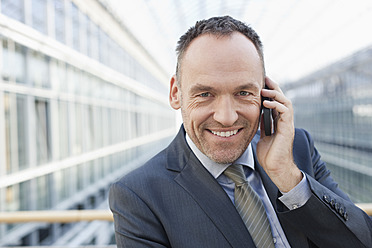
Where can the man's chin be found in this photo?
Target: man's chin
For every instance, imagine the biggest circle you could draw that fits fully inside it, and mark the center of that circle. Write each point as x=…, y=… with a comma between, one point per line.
x=224, y=157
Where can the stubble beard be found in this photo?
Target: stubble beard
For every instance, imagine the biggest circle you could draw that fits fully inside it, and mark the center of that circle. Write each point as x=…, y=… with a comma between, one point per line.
x=225, y=154
x=221, y=152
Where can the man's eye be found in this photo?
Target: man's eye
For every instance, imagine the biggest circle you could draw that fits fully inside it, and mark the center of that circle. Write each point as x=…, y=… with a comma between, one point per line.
x=244, y=93
x=205, y=94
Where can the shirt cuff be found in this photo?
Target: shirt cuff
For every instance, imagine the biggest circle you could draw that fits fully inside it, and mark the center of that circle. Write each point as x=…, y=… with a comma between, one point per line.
x=298, y=196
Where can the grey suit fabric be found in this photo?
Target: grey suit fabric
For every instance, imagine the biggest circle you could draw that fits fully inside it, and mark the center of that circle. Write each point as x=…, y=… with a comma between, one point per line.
x=173, y=201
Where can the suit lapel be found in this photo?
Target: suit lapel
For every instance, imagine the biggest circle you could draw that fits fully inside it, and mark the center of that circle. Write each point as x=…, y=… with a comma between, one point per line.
x=208, y=194
x=215, y=203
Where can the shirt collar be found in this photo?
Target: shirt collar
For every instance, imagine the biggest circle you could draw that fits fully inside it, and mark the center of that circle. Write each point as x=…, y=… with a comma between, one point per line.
x=216, y=169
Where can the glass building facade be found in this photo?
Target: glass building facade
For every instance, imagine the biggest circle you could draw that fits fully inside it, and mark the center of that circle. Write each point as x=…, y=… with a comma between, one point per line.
x=81, y=102
x=335, y=106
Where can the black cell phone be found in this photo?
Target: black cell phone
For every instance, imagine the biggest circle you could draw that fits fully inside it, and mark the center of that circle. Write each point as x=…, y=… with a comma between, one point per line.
x=266, y=116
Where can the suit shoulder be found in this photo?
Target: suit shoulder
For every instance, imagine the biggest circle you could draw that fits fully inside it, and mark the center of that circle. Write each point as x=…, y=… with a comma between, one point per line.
x=150, y=171
x=303, y=137
x=302, y=133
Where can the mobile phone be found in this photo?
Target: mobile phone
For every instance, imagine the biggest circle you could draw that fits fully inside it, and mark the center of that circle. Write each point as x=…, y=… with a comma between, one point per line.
x=266, y=116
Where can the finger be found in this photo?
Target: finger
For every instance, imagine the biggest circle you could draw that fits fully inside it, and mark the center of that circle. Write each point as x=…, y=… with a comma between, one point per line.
x=279, y=110
x=280, y=114
x=277, y=96
x=272, y=85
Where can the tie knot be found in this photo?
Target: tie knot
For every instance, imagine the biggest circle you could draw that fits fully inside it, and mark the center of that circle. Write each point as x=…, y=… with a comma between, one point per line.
x=236, y=173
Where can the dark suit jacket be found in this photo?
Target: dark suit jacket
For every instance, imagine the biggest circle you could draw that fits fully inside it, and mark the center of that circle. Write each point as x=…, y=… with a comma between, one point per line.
x=173, y=201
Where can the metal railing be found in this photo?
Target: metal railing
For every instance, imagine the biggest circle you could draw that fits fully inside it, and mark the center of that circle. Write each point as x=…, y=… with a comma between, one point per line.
x=366, y=207
x=51, y=216
x=59, y=246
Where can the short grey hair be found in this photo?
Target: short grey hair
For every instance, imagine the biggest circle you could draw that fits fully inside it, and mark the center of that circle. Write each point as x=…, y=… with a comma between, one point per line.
x=218, y=26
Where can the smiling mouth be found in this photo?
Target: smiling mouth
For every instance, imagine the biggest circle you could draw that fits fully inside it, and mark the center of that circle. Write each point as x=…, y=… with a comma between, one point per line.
x=225, y=134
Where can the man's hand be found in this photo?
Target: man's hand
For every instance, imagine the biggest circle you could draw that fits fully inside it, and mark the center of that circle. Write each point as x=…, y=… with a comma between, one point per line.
x=275, y=152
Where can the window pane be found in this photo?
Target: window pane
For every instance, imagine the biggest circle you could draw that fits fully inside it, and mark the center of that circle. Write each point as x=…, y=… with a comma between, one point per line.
x=13, y=9
x=12, y=198
x=77, y=146
x=39, y=15
x=42, y=130
x=8, y=140
x=84, y=32
x=62, y=75
x=16, y=132
x=94, y=33
x=75, y=27
x=64, y=130
x=14, y=62
x=22, y=131
x=6, y=73
x=59, y=20
x=24, y=191
x=81, y=176
x=19, y=64
x=43, y=194
x=39, y=70
x=103, y=47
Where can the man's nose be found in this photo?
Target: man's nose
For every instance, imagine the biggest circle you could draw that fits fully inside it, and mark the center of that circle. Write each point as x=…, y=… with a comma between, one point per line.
x=225, y=112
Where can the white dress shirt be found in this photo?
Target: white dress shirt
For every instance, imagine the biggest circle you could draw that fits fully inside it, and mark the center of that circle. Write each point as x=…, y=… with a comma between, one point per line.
x=295, y=198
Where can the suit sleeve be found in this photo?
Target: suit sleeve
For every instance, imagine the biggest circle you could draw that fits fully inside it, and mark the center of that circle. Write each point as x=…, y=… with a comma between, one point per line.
x=135, y=224
x=329, y=218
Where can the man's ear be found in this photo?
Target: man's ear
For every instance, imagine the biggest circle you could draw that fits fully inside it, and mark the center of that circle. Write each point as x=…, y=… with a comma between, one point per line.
x=174, y=94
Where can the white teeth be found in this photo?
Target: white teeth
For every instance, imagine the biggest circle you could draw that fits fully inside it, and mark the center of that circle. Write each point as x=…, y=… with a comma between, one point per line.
x=225, y=134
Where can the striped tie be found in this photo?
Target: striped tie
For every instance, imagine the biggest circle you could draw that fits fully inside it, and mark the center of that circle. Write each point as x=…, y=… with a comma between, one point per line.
x=250, y=208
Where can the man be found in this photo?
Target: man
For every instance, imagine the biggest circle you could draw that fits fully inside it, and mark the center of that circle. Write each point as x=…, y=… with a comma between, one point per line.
x=186, y=196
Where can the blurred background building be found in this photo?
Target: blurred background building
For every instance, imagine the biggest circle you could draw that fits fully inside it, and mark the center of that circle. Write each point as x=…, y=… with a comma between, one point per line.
x=84, y=84
x=81, y=102
x=335, y=106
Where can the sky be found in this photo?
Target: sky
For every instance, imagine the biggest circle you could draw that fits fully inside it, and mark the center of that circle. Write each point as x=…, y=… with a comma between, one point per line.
x=299, y=36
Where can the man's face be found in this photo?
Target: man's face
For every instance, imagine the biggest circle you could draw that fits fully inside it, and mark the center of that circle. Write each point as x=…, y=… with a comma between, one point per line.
x=221, y=80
